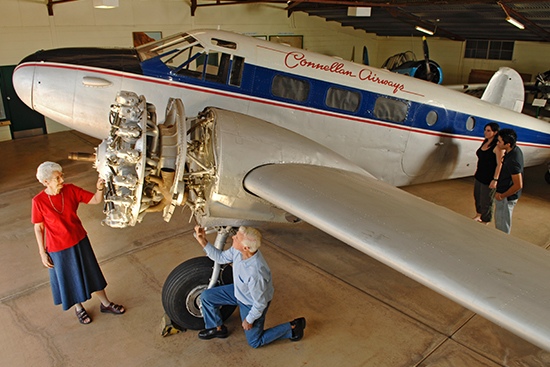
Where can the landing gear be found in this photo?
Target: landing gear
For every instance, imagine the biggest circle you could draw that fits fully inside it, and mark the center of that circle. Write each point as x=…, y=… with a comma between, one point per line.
x=182, y=290
x=183, y=287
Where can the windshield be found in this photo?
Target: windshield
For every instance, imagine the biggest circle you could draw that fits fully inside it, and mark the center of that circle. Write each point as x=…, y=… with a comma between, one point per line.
x=165, y=46
x=184, y=55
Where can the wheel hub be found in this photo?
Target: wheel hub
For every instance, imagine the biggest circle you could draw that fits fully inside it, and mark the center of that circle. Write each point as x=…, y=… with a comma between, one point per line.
x=193, y=300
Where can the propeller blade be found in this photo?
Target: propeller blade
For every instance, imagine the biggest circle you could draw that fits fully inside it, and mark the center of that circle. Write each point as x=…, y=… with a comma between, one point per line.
x=427, y=58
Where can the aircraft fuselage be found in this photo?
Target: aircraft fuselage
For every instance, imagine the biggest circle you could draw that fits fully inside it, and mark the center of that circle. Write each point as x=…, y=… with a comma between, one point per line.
x=400, y=129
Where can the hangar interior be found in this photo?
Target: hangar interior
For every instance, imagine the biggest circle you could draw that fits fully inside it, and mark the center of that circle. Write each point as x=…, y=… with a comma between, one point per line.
x=359, y=312
x=321, y=27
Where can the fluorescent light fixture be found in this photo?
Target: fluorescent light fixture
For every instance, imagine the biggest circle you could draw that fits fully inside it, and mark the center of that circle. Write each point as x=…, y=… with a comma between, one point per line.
x=105, y=4
x=511, y=20
x=359, y=11
x=420, y=29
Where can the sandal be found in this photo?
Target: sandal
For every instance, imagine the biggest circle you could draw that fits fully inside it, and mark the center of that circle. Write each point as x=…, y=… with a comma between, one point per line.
x=83, y=316
x=112, y=308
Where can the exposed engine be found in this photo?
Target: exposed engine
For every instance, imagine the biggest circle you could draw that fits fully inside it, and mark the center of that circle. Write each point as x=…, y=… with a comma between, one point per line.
x=199, y=162
x=152, y=167
x=141, y=161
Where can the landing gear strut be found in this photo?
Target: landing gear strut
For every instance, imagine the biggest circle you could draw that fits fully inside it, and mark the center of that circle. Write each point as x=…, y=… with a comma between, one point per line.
x=183, y=287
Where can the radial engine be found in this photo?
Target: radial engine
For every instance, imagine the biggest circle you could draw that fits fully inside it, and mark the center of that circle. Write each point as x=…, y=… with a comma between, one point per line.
x=198, y=162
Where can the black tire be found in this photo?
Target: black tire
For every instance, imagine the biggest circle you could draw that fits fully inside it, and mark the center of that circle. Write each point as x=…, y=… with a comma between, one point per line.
x=183, y=287
x=547, y=177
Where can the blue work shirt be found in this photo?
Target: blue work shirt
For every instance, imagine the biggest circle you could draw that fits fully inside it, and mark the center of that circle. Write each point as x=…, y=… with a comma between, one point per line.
x=251, y=278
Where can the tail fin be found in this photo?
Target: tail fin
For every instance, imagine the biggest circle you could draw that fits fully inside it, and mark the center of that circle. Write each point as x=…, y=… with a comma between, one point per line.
x=505, y=89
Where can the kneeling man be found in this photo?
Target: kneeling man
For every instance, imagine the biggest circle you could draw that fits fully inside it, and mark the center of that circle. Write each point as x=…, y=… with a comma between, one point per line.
x=252, y=290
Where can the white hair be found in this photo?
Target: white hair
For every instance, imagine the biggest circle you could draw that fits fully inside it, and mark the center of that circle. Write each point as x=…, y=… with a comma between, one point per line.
x=252, y=238
x=45, y=171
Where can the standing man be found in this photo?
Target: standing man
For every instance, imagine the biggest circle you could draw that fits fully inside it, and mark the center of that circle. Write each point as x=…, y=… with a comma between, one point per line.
x=510, y=180
x=252, y=290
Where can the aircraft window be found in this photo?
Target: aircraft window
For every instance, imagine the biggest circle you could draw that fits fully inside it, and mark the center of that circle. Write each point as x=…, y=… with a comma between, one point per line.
x=343, y=99
x=189, y=61
x=217, y=67
x=236, y=71
x=290, y=88
x=391, y=109
x=431, y=118
x=222, y=43
x=165, y=46
x=470, y=123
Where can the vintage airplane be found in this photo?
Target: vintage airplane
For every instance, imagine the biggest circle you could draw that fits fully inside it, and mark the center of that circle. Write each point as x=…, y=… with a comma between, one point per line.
x=277, y=133
x=406, y=63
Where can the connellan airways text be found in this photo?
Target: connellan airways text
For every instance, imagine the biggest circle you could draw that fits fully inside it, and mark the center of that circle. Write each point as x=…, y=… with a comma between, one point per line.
x=297, y=59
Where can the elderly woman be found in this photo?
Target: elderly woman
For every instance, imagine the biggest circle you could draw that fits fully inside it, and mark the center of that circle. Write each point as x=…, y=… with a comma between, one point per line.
x=63, y=243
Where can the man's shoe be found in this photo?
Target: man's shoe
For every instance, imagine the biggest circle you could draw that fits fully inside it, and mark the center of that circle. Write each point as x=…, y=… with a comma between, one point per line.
x=213, y=333
x=298, y=331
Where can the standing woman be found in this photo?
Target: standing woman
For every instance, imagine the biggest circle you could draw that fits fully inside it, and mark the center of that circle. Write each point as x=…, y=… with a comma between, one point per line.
x=63, y=243
x=489, y=163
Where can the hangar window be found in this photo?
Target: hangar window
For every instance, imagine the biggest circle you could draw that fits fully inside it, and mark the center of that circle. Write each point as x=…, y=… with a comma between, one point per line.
x=391, y=109
x=343, y=99
x=489, y=50
x=470, y=123
x=290, y=88
x=431, y=118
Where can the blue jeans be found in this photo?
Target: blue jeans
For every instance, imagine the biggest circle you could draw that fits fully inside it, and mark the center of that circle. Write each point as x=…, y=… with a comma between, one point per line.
x=503, y=214
x=212, y=299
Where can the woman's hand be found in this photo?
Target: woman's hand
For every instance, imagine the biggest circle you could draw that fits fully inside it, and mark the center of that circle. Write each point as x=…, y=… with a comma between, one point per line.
x=46, y=260
x=100, y=185
x=98, y=196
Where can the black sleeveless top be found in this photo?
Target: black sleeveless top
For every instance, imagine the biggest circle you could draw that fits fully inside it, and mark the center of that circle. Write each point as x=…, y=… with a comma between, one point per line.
x=486, y=165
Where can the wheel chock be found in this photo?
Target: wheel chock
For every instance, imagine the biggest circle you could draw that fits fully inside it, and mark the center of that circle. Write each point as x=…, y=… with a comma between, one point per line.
x=168, y=328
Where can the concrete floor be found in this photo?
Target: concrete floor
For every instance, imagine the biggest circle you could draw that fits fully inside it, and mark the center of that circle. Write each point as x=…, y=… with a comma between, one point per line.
x=359, y=312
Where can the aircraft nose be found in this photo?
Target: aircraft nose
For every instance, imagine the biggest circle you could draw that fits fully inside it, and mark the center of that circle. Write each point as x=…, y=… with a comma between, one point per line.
x=23, y=77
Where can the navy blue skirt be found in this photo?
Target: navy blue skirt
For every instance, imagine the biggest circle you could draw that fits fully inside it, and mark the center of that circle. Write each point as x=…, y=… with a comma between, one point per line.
x=75, y=275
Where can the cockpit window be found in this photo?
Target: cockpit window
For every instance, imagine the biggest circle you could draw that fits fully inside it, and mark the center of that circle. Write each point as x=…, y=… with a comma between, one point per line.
x=185, y=56
x=189, y=61
x=165, y=46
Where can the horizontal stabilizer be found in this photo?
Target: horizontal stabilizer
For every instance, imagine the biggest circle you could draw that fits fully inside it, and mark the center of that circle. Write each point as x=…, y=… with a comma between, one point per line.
x=505, y=89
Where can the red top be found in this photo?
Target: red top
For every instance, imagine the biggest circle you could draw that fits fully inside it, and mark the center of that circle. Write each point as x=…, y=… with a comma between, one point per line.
x=62, y=225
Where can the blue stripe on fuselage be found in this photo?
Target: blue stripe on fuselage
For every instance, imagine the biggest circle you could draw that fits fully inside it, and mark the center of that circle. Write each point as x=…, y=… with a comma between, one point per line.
x=257, y=82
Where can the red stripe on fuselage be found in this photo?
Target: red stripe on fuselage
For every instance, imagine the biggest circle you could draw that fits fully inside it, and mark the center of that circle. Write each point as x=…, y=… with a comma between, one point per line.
x=242, y=97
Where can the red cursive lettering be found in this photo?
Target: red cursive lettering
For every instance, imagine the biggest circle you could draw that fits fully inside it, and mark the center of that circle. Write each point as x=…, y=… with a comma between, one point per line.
x=366, y=74
x=295, y=59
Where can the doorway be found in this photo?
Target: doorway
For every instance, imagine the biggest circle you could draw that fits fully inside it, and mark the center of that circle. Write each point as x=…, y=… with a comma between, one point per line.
x=23, y=121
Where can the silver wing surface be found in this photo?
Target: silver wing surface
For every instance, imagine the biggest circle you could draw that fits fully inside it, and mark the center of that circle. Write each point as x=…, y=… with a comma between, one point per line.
x=500, y=277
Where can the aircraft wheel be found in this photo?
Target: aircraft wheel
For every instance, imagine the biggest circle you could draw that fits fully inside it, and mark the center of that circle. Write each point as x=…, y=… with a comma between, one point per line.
x=547, y=177
x=183, y=287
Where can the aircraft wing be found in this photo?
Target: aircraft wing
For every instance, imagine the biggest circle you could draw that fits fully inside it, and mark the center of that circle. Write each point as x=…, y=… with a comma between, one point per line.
x=500, y=277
